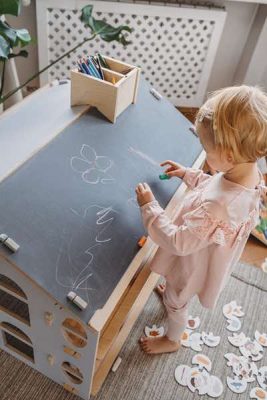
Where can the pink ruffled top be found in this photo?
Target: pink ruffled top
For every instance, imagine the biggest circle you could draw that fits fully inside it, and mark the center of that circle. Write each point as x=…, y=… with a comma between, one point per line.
x=198, y=249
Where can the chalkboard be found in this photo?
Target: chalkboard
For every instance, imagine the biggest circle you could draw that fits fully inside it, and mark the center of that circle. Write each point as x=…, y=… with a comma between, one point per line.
x=72, y=206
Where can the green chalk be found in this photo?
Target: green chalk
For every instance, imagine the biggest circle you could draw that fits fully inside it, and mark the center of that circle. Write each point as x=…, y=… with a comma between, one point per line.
x=164, y=176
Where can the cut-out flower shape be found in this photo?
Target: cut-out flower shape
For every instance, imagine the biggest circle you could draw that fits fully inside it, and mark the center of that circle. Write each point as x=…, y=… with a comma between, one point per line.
x=93, y=168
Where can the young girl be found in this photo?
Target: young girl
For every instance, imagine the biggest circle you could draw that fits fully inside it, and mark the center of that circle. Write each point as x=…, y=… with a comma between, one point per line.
x=199, y=248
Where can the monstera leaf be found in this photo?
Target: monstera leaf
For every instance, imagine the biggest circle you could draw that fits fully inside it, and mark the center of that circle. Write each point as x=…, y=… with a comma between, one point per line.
x=4, y=48
x=10, y=37
x=103, y=29
x=10, y=7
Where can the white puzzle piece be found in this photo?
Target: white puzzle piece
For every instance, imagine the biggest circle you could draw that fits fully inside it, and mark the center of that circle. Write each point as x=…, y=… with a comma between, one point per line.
x=181, y=374
x=234, y=324
x=262, y=377
x=232, y=359
x=252, y=349
x=210, y=340
x=203, y=361
x=245, y=369
x=196, y=341
x=185, y=339
x=154, y=331
x=261, y=338
x=198, y=380
x=238, y=339
x=249, y=371
x=242, y=367
x=193, y=323
x=258, y=393
x=236, y=384
x=215, y=387
x=228, y=309
x=232, y=309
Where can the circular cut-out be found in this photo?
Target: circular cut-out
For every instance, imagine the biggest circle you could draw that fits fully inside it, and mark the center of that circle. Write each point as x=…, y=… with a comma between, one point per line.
x=72, y=372
x=15, y=331
x=74, y=332
x=8, y=283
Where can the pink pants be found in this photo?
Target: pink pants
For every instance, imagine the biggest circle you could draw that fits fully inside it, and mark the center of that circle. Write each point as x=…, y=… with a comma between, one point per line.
x=177, y=312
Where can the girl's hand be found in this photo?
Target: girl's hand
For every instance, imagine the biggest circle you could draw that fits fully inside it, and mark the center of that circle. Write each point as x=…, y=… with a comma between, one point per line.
x=144, y=194
x=175, y=169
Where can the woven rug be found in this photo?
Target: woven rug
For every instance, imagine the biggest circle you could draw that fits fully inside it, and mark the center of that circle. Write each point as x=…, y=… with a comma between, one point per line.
x=148, y=377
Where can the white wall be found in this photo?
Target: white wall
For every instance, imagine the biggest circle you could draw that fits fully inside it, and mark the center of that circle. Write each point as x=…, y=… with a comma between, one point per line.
x=239, y=20
x=252, y=68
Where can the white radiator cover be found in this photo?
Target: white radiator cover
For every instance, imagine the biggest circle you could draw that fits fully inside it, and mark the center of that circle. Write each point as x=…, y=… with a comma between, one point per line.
x=175, y=46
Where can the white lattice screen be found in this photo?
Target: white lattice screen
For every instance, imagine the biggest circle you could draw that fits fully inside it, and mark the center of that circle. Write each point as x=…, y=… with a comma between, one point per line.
x=174, y=46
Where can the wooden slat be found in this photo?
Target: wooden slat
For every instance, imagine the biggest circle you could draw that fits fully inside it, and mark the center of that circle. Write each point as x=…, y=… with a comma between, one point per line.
x=132, y=315
x=113, y=328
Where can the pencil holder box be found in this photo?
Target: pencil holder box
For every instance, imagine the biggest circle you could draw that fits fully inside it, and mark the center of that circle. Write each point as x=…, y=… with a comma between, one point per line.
x=110, y=96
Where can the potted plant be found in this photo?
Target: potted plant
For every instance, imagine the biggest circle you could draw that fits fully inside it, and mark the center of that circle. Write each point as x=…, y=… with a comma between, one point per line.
x=106, y=32
x=12, y=41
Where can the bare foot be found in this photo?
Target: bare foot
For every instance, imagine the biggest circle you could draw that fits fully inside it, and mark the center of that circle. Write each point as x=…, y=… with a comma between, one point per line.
x=158, y=345
x=160, y=289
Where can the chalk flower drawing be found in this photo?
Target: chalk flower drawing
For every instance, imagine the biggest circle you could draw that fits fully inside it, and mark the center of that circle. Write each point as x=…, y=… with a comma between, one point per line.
x=93, y=168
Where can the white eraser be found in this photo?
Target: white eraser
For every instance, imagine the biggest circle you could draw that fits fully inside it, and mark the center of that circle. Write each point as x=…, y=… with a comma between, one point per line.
x=3, y=237
x=63, y=81
x=11, y=244
x=55, y=82
x=80, y=302
x=71, y=296
x=191, y=128
x=116, y=364
x=77, y=300
x=155, y=94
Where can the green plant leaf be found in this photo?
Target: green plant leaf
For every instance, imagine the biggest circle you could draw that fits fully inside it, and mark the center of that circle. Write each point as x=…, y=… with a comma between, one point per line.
x=10, y=7
x=106, y=31
x=22, y=53
x=23, y=37
x=7, y=32
x=86, y=13
x=4, y=48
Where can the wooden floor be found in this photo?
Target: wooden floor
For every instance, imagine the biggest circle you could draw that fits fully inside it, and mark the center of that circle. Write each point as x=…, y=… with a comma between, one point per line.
x=255, y=252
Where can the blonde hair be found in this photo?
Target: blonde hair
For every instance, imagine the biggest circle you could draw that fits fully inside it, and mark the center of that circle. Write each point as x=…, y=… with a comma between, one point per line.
x=237, y=120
